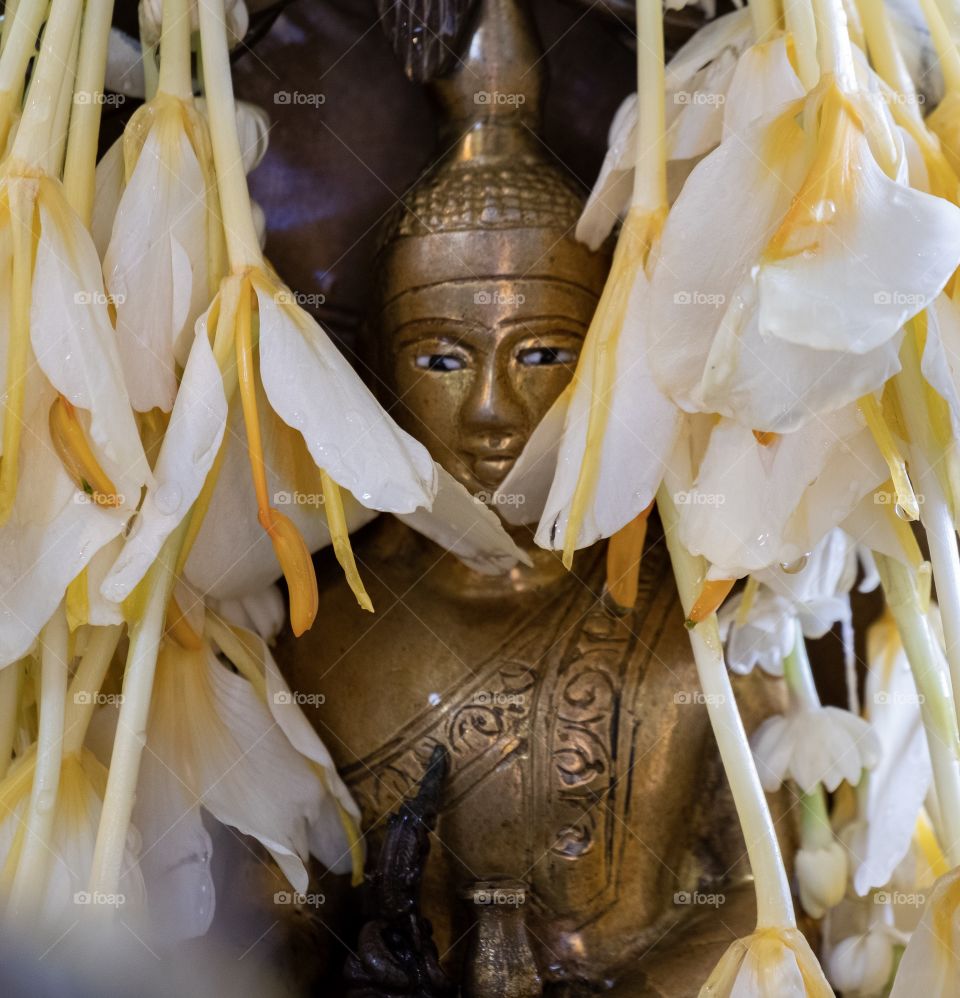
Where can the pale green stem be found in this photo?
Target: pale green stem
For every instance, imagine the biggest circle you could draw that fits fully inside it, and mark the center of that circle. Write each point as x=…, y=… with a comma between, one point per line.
x=243, y=247
x=151, y=73
x=933, y=684
x=650, y=175
x=799, y=675
x=141, y=665
x=86, y=683
x=9, y=712
x=802, y=25
x=834, y=50
x=885, y=53
x=774, y=903
x=36, y=136
x=80, y=169
x=31, y=874
x=175, y=74
x=815, y=830
x=934, y=510
x=766, y=20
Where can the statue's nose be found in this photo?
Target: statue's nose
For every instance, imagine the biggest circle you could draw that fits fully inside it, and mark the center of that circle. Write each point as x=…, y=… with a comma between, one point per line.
x=493, y=411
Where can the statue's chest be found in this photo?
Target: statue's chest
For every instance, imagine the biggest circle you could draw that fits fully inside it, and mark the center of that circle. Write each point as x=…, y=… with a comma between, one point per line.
x=552, y=740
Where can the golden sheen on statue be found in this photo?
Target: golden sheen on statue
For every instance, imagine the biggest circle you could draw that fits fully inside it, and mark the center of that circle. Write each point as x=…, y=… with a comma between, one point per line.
x=584, y=808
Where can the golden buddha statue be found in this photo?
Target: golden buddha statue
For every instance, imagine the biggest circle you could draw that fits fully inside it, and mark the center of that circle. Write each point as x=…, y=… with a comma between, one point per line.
x=584, y=784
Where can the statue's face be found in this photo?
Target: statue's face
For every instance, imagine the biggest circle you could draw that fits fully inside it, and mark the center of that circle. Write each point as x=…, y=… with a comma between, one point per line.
x=476, y=365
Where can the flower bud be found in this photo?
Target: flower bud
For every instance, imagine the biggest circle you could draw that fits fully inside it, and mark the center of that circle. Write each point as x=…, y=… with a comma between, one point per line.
x=821, y=877
x=861, y=964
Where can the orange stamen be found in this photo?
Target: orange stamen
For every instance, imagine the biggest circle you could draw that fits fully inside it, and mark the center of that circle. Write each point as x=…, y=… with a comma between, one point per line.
x=288, y=545
x=624, y=554
x=712, y=594
x=765, y=437
x=77, y=456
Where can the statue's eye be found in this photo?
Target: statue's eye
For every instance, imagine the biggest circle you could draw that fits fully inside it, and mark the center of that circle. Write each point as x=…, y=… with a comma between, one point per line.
x=546, y=356
x=439, y=362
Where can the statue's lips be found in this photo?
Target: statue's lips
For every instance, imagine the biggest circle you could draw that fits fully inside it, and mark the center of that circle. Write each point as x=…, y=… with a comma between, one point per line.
x=490, y=469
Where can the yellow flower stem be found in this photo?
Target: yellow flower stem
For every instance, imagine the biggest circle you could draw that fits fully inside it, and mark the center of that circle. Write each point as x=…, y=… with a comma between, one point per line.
x=774, y=903
x=80, y=166
x=36, y=133
x=765, y=17
x=937, y=707
x=10, y=679
x=885, y=53
x=802, y=25
x=935, y=512
x=243, y=247
x=21, y=25
x=834, y=51
x=650, y=175
x=137, y=690
x=943, y=44
x=81, y=697
x=175, y=78
x=21, y=205
x=31, y=873
x=340, y=537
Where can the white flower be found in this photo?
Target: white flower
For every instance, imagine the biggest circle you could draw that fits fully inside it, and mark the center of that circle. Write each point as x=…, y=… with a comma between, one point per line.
x=765, y=637
x=805, y=270
x=931, y=962
x=78, y=805
x=897, y=787
x=156, y=263
x=821, y=877
x=861, y=965
x=754, y=504
x=814, y=745
x=237, y=745
x=770, y=963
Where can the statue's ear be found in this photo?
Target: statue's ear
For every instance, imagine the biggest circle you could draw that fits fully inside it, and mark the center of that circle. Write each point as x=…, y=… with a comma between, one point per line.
x=425, y=34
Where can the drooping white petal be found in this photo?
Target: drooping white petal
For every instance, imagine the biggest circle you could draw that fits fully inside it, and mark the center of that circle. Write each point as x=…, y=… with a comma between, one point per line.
x=189, y=447
x=610, y=195
x=74, y=342
x=106, y=198
x=871, y=262
x=931, y=963
x=156, y=264
x=695, y=113
x=262, y=612
x=940, y=363
x=641, y=426
x=763, y=81
x=211, y=729
x=464, y=526
x=313, y=388
x=733, y=30
x=53, y=532
x=754, y=505
x=523, y=493
x=898, y=784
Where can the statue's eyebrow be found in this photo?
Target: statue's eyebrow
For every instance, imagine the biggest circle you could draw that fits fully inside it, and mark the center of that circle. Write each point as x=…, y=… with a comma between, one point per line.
x=442, y=327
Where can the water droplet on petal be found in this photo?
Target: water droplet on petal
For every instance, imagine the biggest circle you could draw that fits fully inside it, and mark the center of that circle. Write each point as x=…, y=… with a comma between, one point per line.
x=167, y=498
x=901, y=512
x=824, y=210
x=798, y=565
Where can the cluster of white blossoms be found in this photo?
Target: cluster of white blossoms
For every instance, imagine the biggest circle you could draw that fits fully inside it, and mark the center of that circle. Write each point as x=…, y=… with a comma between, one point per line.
x=775, y=364
x=160, y=387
